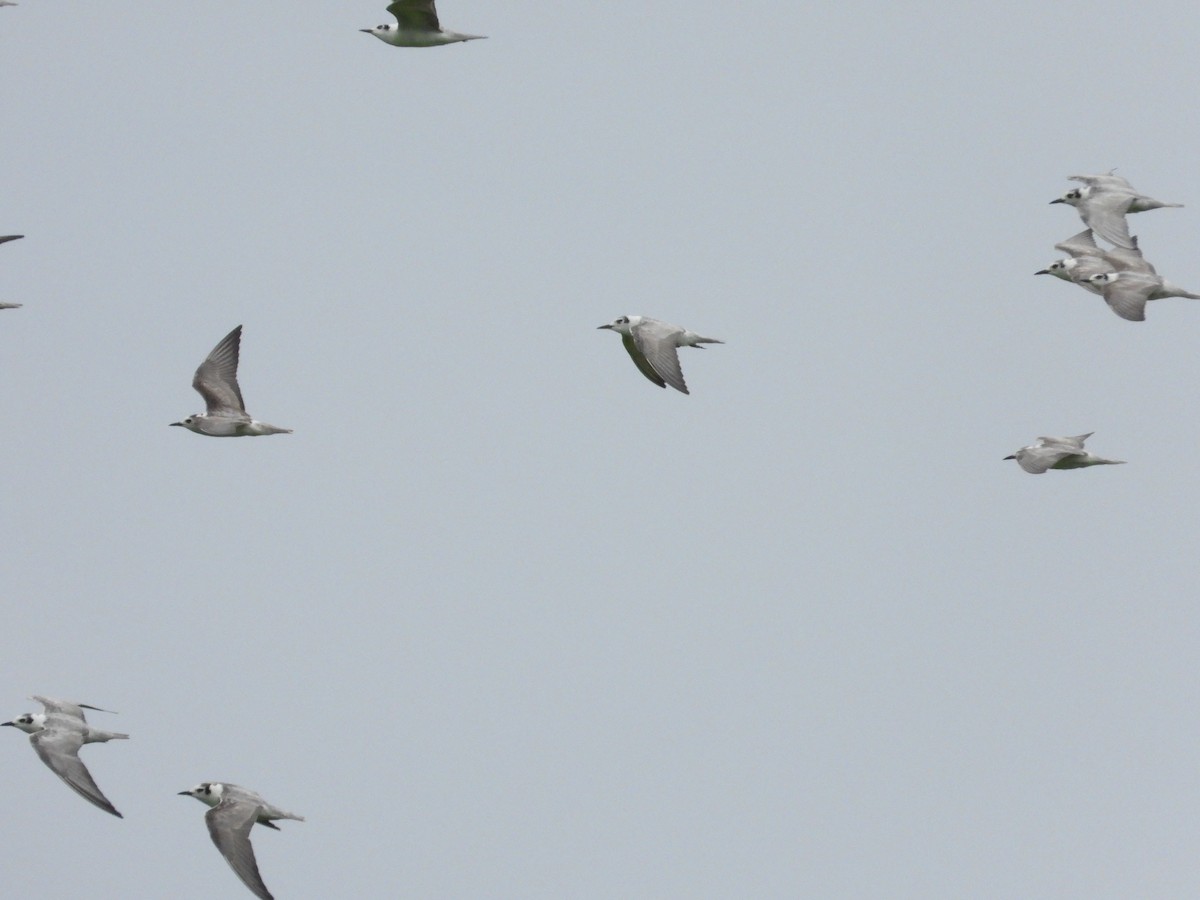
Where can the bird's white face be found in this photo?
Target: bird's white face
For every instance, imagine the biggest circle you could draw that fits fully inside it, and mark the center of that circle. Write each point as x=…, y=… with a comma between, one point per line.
x=207, y=792
x=1061, y=268
x=1073, y=197
x=623, y=325
x=30, y=723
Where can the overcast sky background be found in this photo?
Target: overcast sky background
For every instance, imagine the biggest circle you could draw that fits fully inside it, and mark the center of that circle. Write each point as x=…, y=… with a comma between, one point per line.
x=501, y=618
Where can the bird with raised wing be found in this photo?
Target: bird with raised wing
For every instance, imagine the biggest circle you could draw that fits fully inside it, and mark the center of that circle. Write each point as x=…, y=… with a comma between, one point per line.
x=1128, y=292
x=216, y=381
x=1104, y=201
x=1085, y=259
x=1059, y=453
x=417, y=26
x=234, y=812
x=57, y=734
x=654, y=347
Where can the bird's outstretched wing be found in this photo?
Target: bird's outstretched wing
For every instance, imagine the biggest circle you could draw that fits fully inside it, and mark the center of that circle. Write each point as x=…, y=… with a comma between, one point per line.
x=1105, y=214
x=415, y=15
x=66, y=707
x=1082, y=244
x=59, y=749
x=1128, y=295
x=1036, y=460
x=216, y=379
x=656, y=340
x=229, y=824
x=640, y=360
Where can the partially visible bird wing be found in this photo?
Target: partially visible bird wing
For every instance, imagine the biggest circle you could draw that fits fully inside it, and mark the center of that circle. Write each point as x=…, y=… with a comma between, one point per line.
x=229, y=824
x=59, y=749
x=1104, y=213
x=1074, y=442
x=640, y=360
x=1127, y=297
x=51, y=705
x=1037, y=460
x=66, y=706
x=1082, y=244
x=1108, y=180
x=656, y=340
x=415, y=15
x=216, y=379
x=1129, y=259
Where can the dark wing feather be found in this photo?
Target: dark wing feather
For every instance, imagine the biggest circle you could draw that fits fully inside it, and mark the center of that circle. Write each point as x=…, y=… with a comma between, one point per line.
x=415, y=15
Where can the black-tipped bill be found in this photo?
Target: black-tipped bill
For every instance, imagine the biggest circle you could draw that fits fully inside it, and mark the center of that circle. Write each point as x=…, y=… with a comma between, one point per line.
x=1014, y=456
x=1042, y=272
x=367, y=30
x=1059, y=200
x=602, y=327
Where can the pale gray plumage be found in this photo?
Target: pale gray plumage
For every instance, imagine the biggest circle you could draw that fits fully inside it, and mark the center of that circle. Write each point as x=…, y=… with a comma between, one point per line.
x=1104, y=201
x=1085, y=260
x=1128, y=292
x=654, y=345
x=234, y=812
x=417, y=25
x=1108, y=179
x=57, y=736
x=216, y=381
x=1059, y=453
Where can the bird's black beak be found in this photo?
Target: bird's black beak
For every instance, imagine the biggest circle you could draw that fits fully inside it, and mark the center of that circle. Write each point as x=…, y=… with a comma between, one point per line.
x=176, y=423
x=13, y=724
x=367, y=30
x=1042, y=272
x=602, y=327
x=1059, y=200
x=181, y=793
x=1014, y=456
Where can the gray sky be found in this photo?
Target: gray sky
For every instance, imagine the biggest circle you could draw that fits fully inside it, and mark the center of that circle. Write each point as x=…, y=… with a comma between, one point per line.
x=501, y=618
